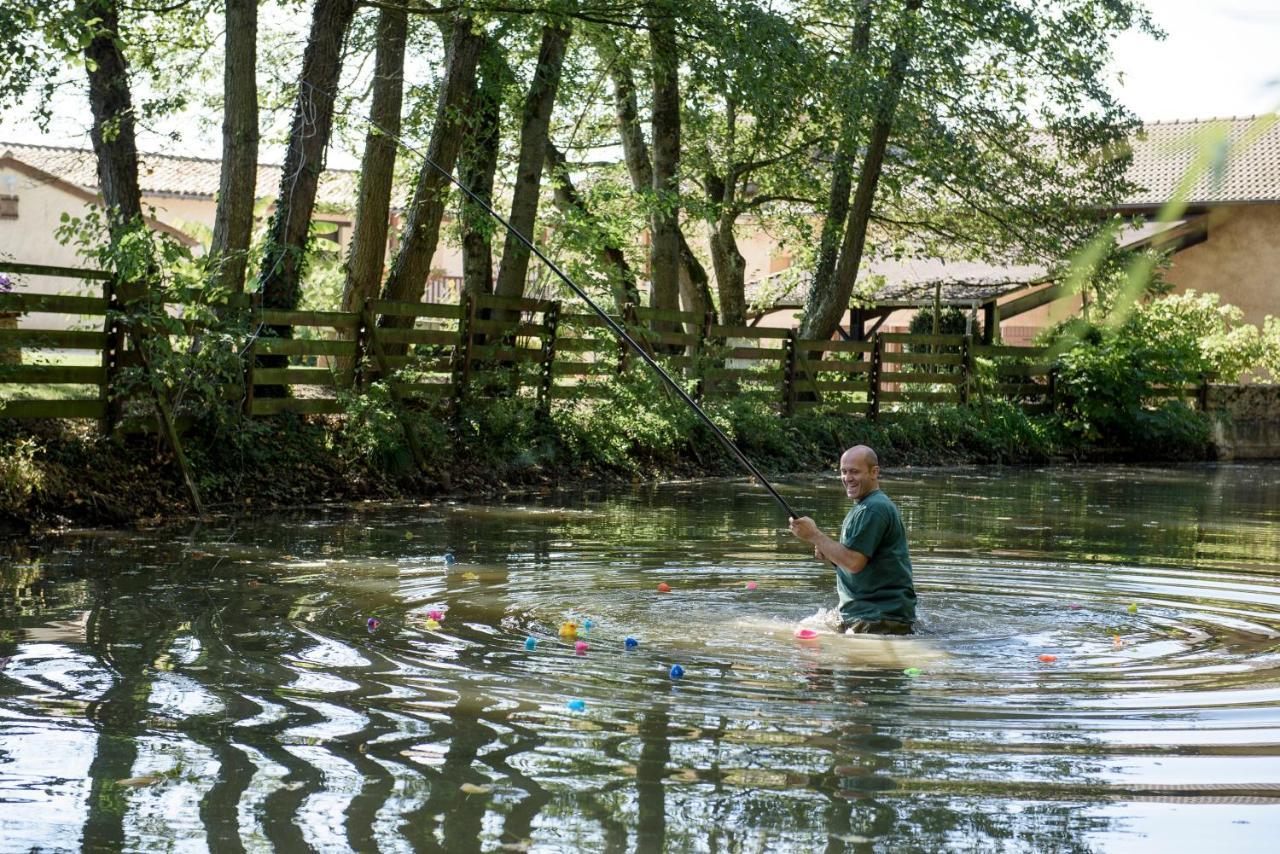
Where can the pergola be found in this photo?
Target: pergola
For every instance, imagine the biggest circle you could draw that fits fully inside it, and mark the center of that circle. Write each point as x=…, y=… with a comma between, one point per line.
x=976, y=286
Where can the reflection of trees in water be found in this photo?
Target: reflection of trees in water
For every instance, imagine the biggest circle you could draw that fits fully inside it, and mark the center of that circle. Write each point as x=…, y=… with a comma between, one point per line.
x=250, y=646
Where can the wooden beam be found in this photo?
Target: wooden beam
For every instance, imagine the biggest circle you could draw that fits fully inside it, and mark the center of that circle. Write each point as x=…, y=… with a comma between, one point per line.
x=1022, y=305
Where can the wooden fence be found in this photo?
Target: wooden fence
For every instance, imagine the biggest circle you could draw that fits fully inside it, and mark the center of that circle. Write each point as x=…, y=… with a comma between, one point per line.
x=555, y=352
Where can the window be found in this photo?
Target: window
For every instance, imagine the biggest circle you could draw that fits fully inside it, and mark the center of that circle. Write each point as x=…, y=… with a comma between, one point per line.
x=8, y=206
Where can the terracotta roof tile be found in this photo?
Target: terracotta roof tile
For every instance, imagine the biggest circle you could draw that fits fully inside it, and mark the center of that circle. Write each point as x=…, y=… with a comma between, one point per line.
x=1164, y=152
x=167, y=175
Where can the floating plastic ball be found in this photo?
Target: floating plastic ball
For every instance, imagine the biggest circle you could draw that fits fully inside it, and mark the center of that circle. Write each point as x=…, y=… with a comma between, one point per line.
x=587, y=623
x=677, y=671
x=912, y=671
x=530, y=644
x=806, y=634
x=1117, y=641
x=631, y=643
x=568, y=629
x=435, y=615
x=577, y=705
x=664, y=587
x=1048, y=659
x=1133, y=607
x=431, y=625
x=449, y=559
x=373, y=624
x=751, y=585
x=580, y=647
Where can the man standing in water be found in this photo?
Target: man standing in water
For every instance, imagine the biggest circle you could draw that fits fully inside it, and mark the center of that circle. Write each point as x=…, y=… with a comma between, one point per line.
x=873, y=568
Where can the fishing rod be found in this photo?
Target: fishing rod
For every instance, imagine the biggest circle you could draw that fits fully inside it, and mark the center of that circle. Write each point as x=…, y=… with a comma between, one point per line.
x=612, y=324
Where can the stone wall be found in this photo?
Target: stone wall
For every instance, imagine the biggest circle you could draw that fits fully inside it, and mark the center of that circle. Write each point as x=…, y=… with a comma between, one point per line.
x=1248, y=423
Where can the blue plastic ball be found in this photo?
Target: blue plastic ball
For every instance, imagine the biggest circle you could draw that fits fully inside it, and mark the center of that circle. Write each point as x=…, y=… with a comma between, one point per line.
x=631, y=643
x=449, y=559
x=577, y=705
x=530, y=643
x=676, y=671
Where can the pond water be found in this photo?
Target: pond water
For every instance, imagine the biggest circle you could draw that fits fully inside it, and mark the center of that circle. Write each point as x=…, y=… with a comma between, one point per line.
x=223, y=690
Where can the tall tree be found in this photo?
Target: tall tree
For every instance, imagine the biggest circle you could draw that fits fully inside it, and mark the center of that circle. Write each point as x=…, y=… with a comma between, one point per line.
x=233, y=219
x=635, y=154
x=824, y=308
x=377, y=166
x=534, y=125
x=113, y=116
x=408, y=276
x=664, y=221
x=477, y=169
x=611, y=252
x=848, y=123
x=750, y=132
x=284, y=259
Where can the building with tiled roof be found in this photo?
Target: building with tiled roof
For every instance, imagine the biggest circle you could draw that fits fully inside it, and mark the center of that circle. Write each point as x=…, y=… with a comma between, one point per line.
x=1225, y=239
x=170, y=177
x=1165, y=152
x=40, y=183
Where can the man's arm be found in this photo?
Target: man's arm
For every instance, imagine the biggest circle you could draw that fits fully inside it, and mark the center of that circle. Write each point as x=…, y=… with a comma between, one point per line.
x=825, y=547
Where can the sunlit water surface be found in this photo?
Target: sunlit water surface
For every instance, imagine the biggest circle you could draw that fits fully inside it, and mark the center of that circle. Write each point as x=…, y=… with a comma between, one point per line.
x=223, y=690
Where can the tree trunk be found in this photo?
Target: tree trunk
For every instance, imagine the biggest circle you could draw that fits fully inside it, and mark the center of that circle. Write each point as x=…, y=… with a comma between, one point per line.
x=284, y=260
x=635, y=153
x=635, y=150
x=477, y=168
x=113, y=127
x=233, y=220
x=695, y=284
x=842, y=173
x=534, y=126
x=377, y=167
x=823, y=309
x=664, y=221
x=837, y=214
x=412, y=264
x=622, y=280
x=731, y=272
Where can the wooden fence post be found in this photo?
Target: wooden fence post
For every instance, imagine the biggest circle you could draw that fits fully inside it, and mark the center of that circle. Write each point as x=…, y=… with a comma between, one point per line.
x=1202, y=393
x=466, y=332
x=873, y=379
x=789, y=373
x=386, y=374
x=966, y=368
x=251, y=353
x=551, y=320
x=111, y=351
x=701, y=351
x=628, y=323
x=363, y=333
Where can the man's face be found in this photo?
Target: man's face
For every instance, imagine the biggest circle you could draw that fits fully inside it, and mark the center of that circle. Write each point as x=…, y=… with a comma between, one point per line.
x=859, y=478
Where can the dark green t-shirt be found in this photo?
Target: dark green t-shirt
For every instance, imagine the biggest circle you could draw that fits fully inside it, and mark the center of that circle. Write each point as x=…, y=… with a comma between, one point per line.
x=884, y=589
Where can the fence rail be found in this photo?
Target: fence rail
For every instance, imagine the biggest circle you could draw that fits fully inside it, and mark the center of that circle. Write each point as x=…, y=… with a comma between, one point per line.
x=435, y=353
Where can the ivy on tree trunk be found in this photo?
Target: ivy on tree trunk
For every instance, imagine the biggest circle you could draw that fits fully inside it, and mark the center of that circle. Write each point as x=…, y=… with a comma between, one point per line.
x=477, y=168
x=664, y=245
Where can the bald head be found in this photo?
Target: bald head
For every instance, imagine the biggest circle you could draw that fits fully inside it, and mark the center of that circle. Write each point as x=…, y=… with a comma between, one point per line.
x=862, y=452
x=860, y=471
